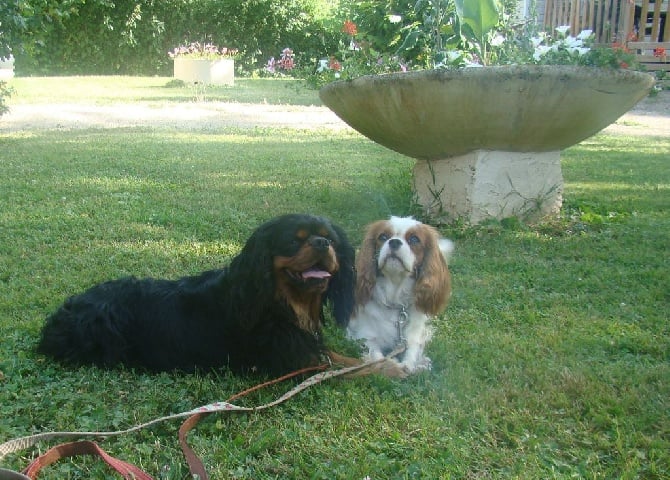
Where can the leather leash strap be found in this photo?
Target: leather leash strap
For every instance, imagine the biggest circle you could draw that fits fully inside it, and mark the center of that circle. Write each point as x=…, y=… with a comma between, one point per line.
x=195, y=465
x=84, y=447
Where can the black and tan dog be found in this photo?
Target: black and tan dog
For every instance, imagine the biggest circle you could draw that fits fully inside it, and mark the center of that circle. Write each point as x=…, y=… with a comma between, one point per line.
x=261, y=313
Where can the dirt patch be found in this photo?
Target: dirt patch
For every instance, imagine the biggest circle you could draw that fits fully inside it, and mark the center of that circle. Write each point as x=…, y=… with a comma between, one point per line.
x=649, y=117
x=183, y=116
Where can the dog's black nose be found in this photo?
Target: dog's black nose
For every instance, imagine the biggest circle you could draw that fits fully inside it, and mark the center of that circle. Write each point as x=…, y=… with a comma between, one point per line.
x=319, y=243
x=395, y=243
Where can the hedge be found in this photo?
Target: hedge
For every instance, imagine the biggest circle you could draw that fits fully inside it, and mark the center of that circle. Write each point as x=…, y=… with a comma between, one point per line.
x=133, y=37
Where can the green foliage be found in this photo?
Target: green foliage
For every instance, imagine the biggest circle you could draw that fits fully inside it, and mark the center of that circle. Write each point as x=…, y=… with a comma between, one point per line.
x=371, y=49
x=105, y=37
x=375, y=22
x=477, y=20
x=615, y=56
x=27, y=25
x=5, y=92
x=458, y=33
x=427, y=30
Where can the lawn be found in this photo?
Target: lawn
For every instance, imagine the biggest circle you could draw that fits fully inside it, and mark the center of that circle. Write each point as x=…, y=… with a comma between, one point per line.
x=551, y=361
x=158, y=90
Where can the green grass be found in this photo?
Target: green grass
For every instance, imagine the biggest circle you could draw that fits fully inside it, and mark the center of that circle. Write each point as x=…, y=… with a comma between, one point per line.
x=552, y=360
x=158, y=90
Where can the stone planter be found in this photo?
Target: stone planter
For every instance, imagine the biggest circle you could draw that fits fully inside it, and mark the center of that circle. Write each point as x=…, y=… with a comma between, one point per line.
x=487, y=140
x=6, y=68
x=200, y=70
x=12, y=475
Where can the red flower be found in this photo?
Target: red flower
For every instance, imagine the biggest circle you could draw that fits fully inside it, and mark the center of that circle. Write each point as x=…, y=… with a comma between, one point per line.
x=659, y=52
x=623, y=65
x=349, y=28
x=334, y=64
x=286, y=60
x=619, y=47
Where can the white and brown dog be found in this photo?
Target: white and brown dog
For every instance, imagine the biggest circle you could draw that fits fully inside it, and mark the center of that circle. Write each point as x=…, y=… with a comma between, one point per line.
x=403, y=280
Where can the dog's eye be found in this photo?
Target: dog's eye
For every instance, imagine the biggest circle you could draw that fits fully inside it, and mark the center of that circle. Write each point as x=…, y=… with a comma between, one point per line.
x=383, y=237
x=414, y=240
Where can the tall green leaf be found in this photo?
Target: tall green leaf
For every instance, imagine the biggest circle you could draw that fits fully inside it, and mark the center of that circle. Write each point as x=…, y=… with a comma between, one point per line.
x=478, y=17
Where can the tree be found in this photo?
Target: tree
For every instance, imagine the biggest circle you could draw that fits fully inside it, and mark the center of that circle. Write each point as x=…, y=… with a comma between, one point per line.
x=24, y=24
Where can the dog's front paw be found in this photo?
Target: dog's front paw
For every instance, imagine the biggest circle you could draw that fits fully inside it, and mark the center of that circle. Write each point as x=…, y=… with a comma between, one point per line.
x=423, y=363
x=393, y=369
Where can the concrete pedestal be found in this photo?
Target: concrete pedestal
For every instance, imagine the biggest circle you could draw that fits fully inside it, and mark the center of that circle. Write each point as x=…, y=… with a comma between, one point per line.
x=484, y=185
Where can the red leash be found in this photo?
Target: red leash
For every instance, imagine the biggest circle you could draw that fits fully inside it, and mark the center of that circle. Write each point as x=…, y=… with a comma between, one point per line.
x=129, y=471
x=84, y=447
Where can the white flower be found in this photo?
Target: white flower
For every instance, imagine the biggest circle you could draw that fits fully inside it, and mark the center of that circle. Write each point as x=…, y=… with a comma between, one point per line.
x=453, y=55
x=323, y=65
x=471, y=64
x=582, y=50
x=537, y=41
x=572, y=42
x=395, y=18
x=497, y=40
x=540, y=52
x=563, y=29
x=585, y=34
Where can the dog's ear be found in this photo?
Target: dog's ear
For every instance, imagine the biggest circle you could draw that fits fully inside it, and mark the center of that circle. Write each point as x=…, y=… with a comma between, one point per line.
x=433, y=283
x=255, y=264
x=366, y=263
x=340, y=292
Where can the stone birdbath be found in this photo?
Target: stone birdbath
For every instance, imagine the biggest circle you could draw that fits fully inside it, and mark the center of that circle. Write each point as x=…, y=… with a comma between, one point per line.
x=487, y=140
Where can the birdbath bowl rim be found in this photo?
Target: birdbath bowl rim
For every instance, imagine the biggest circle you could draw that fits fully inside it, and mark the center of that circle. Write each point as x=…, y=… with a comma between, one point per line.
x=437, y=114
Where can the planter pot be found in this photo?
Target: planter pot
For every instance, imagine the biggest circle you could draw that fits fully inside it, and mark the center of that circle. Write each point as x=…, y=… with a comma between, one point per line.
x=487, y=140
x=6, y=68
x=199, y=70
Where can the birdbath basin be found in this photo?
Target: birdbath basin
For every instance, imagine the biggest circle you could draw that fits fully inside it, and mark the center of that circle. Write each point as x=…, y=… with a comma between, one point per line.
x=487, y=140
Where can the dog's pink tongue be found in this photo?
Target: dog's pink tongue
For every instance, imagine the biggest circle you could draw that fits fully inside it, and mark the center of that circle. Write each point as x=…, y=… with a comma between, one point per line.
x=314, y=273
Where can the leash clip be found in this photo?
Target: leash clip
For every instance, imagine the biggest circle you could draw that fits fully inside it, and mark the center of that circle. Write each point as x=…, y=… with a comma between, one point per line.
x=400, y=326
